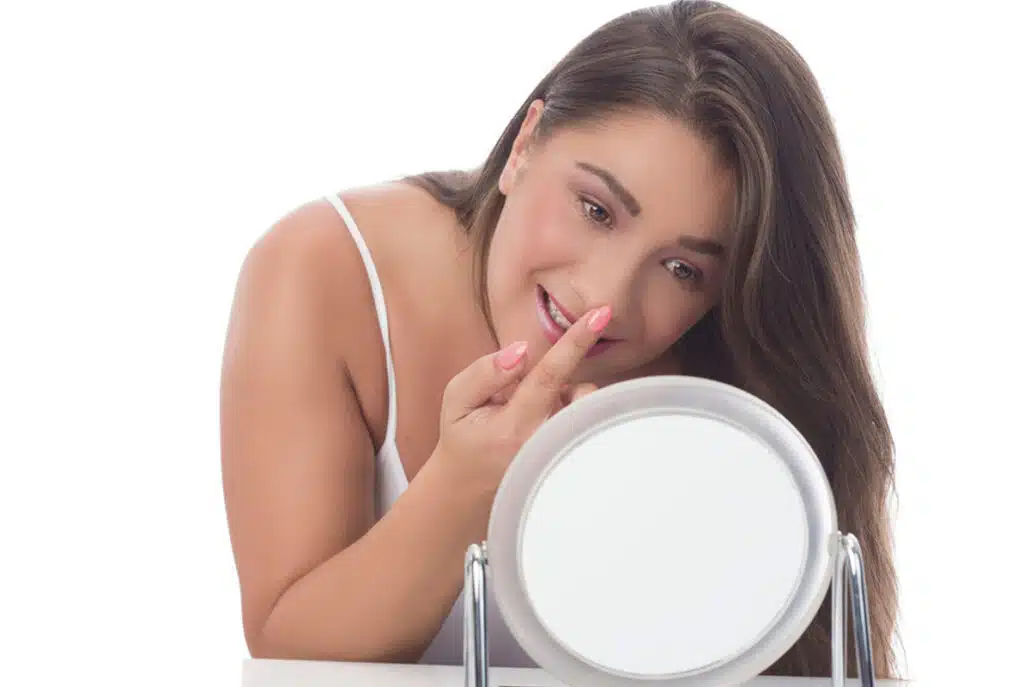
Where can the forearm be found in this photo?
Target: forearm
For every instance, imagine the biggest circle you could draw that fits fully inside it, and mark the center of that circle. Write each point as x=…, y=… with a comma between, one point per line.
x=384, y=597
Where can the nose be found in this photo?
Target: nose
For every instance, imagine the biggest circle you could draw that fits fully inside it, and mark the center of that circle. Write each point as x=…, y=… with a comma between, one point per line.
x=609, y=284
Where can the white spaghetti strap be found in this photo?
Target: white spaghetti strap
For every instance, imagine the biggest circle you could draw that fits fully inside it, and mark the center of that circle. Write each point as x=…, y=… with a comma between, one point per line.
x=380, y=305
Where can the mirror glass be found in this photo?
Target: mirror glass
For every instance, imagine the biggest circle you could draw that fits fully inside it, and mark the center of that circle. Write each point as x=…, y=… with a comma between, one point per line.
x=662, y=544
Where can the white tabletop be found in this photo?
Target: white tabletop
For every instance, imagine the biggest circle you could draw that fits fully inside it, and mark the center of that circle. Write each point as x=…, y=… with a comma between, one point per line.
x=267, y=673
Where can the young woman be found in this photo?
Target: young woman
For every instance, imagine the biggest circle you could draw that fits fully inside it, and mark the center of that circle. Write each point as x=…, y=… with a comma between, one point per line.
x=669, y=199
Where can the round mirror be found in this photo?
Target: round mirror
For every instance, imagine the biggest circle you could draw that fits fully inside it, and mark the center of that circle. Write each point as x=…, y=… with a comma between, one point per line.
x=681, y=510
x=668, y=529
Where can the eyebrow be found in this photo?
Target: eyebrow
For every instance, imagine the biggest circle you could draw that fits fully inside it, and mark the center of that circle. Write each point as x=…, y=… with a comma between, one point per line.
x=614, y=185
x=692, y=243
x=705, y=246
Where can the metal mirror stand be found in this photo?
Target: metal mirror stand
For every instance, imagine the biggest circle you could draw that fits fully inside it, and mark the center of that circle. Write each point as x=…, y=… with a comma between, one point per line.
x=476, y=651
x=848, y=570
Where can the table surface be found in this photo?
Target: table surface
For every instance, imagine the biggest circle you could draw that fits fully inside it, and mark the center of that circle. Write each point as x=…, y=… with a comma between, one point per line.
x=275, y=673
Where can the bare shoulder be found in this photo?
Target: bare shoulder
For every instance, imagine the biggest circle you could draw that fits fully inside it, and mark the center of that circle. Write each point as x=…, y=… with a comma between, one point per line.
x=311, y=250
x=312, y=246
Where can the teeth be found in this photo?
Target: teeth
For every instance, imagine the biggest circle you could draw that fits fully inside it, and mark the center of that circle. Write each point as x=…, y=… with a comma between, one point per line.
x=556, y=314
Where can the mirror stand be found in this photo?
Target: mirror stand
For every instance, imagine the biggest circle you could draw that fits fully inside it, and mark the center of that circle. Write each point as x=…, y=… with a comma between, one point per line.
x=848, y=570
x=476, y=654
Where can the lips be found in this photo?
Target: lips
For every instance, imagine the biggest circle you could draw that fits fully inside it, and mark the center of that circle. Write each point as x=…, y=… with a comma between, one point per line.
x=569, y=317
x=553, y=330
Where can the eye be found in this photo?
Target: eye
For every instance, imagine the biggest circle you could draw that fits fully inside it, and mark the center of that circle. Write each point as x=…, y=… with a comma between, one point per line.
x=683, y=271
x=595, y=212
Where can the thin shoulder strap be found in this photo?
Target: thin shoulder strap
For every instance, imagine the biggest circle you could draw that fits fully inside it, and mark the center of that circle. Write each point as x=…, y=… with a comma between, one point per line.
x=380, y=304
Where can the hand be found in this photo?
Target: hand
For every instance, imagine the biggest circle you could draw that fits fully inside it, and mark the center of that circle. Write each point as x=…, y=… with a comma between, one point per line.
x=494, y=405
x=569, y=393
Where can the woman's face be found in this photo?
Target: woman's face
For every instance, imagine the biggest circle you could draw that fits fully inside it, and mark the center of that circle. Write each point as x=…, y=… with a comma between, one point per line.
x=632, y=212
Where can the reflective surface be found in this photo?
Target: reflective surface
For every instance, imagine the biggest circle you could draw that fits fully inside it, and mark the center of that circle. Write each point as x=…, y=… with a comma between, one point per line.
x=663, y=544
x=669, y=530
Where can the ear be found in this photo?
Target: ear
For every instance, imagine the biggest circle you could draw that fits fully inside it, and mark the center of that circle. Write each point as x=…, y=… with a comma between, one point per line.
x=518, y=156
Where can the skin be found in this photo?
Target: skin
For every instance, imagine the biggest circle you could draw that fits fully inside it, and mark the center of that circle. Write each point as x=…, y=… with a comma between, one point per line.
x=304, y=394
x=564, y=228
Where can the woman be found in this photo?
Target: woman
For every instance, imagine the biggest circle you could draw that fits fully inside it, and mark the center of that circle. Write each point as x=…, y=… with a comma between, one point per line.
x=670, y=199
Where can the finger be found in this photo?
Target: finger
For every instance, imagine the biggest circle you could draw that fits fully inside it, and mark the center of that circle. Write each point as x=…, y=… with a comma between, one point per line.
x=505, y=394
x=570, y=393
x=562, y=400
x=541, y=388
x=486, y=376
x=579, y=391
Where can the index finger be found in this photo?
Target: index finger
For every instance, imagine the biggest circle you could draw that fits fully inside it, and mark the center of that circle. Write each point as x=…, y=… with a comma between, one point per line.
x=536, y=395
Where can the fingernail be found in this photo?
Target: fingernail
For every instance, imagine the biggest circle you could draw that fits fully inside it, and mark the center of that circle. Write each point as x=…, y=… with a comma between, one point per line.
x=510, y=356
x=599, y=319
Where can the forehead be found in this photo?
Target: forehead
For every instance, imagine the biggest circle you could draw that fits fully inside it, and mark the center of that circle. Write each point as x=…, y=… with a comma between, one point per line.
x=677, y=177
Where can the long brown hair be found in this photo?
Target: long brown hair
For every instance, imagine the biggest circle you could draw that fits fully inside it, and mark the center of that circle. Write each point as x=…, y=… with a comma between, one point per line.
x=790, y=326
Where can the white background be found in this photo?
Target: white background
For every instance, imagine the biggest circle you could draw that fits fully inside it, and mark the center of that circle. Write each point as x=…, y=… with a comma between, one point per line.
x=145, y=146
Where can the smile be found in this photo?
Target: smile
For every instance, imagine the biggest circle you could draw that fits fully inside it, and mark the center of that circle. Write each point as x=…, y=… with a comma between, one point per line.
x=555, y=320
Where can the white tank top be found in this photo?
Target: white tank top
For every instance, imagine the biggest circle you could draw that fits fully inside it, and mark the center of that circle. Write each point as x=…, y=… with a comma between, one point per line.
x=446, y=648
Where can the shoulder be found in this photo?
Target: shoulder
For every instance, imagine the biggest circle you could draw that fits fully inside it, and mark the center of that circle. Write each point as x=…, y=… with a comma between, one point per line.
x=311, y=249
x=309, y=262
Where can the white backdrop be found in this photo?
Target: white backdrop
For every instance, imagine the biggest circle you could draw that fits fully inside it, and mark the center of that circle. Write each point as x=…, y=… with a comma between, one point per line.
x=145, y=146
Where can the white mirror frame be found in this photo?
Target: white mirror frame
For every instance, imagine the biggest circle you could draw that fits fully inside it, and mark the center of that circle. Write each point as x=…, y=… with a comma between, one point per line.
x=833, y=559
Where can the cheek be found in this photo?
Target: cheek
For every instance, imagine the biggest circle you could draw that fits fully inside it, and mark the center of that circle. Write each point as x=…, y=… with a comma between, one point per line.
x=534, y=235
x=668, y=316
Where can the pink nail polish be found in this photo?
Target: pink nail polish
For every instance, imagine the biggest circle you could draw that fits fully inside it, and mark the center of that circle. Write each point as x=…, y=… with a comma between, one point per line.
x=510, y=356
x=599, y=319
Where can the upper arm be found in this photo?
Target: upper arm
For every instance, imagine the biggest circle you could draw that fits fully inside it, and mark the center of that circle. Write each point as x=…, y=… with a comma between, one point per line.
x=297, y=458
